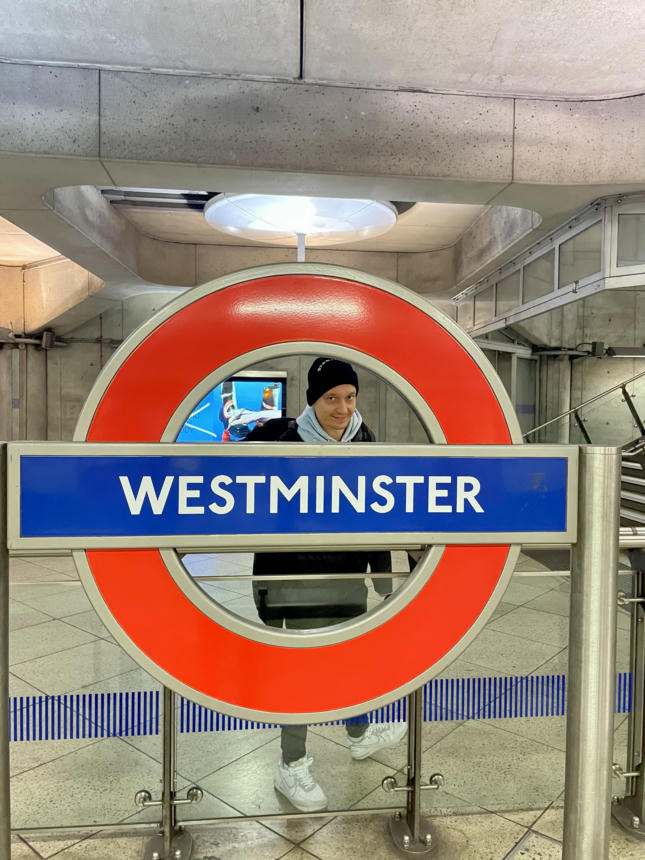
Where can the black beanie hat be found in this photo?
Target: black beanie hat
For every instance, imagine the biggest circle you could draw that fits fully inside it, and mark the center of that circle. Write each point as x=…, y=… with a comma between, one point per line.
x=327, y=373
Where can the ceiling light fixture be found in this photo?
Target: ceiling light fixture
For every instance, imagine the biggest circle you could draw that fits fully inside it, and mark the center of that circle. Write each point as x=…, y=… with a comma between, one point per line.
x=626, y=351
x=295, y=221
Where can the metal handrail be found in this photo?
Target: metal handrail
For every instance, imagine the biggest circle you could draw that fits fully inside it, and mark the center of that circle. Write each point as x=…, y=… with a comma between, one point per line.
x=584, y=403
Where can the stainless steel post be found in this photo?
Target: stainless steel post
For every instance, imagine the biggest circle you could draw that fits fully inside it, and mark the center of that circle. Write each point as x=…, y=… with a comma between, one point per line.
x=173, y=842
x=412, y=834
x=5, y=804
x=592, y=657
x=415, y=725
x=168, y=814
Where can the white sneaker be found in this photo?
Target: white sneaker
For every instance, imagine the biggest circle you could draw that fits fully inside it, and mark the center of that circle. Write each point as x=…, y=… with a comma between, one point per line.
x=299, y=787
x=377, y=737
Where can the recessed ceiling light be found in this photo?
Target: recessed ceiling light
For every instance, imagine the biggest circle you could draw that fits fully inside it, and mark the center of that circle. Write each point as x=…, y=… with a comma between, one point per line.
x=280, y=220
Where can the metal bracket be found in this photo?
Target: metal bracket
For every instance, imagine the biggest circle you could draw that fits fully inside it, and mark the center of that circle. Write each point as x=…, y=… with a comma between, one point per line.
x=623, y=600
x=143, y=798
x=389, y=783
x=617, y=770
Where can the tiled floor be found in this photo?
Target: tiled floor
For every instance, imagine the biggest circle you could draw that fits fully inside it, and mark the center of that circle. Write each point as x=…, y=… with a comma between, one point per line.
x=504, y=777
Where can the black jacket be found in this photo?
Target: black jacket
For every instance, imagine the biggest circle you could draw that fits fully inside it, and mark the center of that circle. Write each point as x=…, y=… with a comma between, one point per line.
x=324, y=598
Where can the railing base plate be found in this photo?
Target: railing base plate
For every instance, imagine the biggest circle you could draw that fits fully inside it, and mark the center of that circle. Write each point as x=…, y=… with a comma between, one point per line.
x=402, y=837
x=628, y=822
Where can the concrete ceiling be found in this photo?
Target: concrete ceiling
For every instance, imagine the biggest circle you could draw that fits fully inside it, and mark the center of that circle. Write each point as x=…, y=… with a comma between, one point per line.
x=508, y=107
x=541, y=48
x=423, y=227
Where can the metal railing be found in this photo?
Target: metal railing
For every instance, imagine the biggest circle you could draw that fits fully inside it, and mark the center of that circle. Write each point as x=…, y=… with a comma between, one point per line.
x=621, y=386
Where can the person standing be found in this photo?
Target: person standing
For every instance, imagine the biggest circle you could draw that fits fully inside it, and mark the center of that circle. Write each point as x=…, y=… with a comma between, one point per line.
x=331, y=416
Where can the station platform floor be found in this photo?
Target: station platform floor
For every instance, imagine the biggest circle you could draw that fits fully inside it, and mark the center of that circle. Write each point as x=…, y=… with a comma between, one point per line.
x=504, y=776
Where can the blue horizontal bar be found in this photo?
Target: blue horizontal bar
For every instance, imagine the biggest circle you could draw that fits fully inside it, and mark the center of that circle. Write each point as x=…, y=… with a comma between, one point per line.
x=131, y=714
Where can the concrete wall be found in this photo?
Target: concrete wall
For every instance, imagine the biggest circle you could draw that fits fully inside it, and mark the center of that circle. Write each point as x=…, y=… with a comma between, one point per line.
x=615, y=317
x=42, y=392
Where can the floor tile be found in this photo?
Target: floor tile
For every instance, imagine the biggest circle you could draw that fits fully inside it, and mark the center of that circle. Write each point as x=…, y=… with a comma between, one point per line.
x=557, y=665
x=21, y=615
x=51, y=637
x=551, y=731
x=536, y=847
x=25, y=755
x=501, y=609
x=496, y=769
x=134, y=680
x=621, y=847
x=551, y=823
x=299, y=854
x=553, y=601
x=68, y=599
x=459, y=837
x=32, y=574
x=21, y=851
x=522, y=589
x=623, y=619
x=218, y=593
x=107, y=847
x=536, y=626
x=18, y=687
x=247, y=840
x=244, y=606
x=90, y=622
x=526, y=817
x=53, y=844
x=510, y=655
x=296, y=829
x=92, y=785
x=25, y=592
x=247, y=784
x=200, y=754
x=84, y=664
x=59, y=563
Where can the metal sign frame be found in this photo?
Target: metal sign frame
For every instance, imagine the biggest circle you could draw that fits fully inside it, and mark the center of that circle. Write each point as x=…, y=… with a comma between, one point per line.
x=18, y=452
x=144, y=395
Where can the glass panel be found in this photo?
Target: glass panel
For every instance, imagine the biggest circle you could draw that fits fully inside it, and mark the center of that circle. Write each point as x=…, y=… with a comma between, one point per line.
x=525, y=393
x=465, y=313
x=308, y=599
x=508, y=294
x=580, y=256
x=85, y=719
x=631, y=240
x=538, y=278
x=484, y=305
x=235, y=764
x=608, y=421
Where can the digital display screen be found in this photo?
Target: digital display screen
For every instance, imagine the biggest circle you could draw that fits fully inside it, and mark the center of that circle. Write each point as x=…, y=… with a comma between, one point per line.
x=233, y=408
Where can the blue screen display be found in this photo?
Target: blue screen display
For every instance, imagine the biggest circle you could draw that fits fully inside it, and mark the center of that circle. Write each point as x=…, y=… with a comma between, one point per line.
x=232, y=409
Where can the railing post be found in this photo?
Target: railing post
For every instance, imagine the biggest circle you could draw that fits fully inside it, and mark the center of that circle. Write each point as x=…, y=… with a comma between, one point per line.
x=592, y=658
x=5, y=797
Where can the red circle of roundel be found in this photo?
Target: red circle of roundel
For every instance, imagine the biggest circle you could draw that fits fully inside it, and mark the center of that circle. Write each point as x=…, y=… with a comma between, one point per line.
x=161, y=371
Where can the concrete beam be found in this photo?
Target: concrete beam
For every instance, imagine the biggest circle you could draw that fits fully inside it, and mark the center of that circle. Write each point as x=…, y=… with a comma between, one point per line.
x=197, y=132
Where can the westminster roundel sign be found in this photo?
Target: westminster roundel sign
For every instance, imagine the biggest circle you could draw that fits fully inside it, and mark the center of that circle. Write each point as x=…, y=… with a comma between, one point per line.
x=125, y=496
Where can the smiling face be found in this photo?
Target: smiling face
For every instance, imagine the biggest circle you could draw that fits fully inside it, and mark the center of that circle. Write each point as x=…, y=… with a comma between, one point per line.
x=335, y=408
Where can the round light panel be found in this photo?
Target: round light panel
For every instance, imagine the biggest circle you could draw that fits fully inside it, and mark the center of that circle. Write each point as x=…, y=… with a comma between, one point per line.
x=278, y=219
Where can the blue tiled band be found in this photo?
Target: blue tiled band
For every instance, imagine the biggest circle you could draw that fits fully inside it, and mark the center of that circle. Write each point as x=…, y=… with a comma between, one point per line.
x=119, y=714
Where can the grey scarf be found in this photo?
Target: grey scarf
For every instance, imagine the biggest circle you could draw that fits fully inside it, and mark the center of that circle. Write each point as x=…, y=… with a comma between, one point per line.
x=311, y=431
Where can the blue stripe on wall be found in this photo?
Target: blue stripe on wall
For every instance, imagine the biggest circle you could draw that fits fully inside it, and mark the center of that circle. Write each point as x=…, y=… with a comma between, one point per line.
x=129, y=714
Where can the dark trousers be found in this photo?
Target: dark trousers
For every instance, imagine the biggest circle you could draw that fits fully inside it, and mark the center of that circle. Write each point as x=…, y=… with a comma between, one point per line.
x=294, y=738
